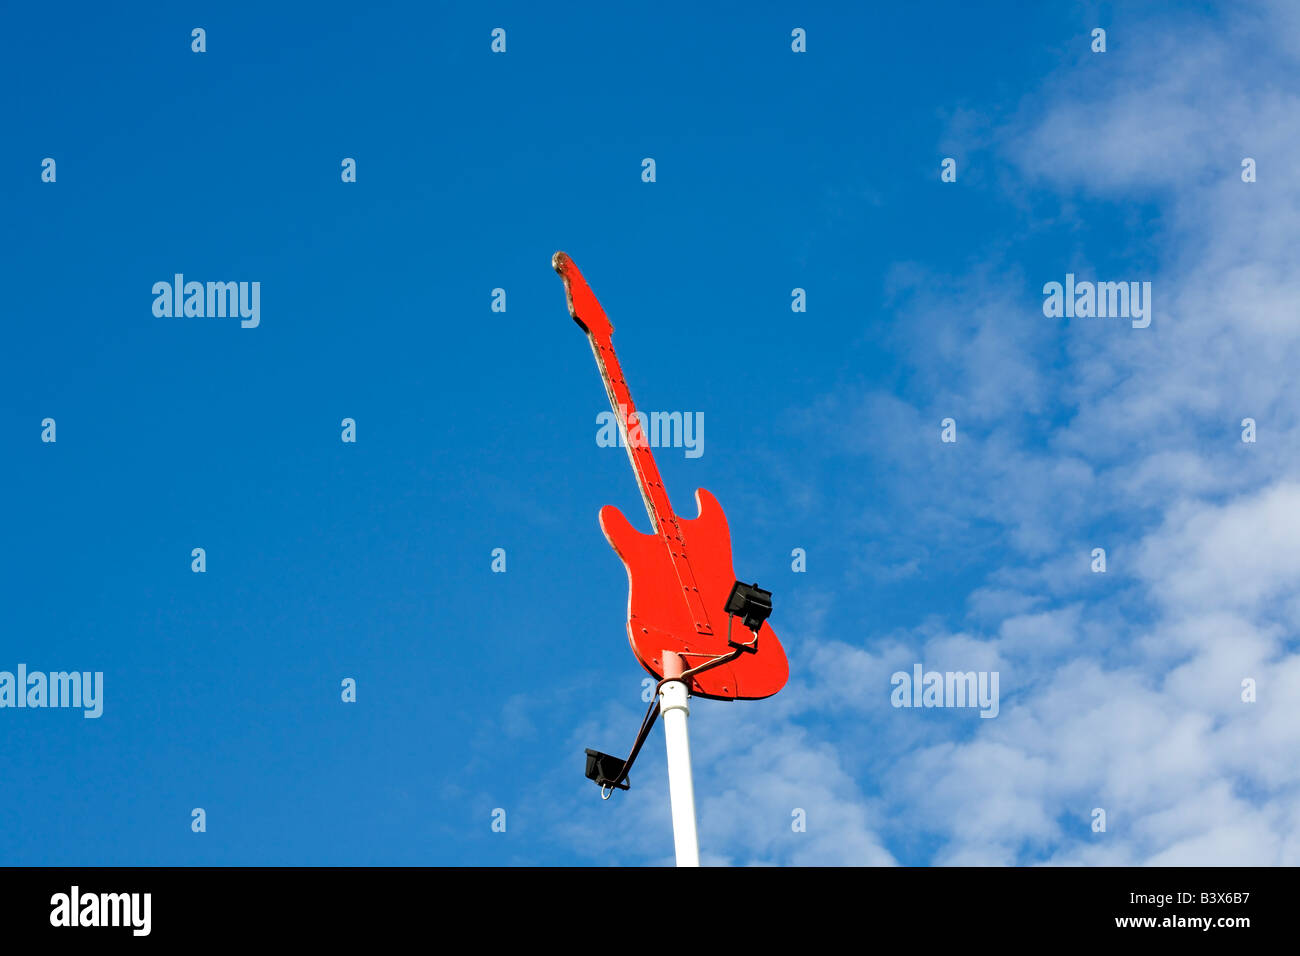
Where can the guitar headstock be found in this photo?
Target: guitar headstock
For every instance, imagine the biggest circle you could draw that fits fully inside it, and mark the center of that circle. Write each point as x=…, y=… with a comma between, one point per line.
x=584, y=308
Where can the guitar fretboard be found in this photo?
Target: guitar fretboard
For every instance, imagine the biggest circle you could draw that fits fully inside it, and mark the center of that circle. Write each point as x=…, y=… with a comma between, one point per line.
x=662, y=517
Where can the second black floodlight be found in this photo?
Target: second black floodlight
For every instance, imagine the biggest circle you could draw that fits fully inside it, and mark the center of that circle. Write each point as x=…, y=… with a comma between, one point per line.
x=750, y=603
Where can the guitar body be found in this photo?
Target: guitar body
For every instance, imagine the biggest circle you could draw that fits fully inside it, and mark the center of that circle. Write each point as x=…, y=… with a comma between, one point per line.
x=680, y=574
x=658, y=619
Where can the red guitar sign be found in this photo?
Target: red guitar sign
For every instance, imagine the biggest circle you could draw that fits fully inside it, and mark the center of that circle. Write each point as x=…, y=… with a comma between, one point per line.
x=679, y=575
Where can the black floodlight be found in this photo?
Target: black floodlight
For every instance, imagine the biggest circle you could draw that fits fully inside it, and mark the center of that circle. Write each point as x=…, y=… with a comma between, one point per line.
x=605, y=769
x=750, y=603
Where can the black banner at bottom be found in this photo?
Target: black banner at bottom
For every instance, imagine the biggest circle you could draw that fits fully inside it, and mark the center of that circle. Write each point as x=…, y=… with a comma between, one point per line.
x=590, y=908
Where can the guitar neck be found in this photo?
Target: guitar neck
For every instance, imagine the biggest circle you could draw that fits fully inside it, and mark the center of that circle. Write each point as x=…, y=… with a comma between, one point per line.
x=662, y=516
x=654, y=496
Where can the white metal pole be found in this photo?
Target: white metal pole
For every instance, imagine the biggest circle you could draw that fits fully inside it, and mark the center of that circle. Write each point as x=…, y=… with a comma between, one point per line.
x=675, y=707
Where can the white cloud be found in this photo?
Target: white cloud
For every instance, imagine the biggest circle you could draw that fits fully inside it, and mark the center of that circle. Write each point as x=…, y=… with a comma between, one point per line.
x=1126, y=688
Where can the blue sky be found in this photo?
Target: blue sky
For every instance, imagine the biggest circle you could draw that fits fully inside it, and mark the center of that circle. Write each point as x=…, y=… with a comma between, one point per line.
x=476, y=429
